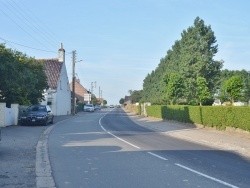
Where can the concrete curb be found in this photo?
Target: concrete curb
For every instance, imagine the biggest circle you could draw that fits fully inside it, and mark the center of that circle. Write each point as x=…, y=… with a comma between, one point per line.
x=44, y=178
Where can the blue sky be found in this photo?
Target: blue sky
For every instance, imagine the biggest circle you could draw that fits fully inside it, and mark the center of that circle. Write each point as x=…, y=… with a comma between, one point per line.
x=121, y=41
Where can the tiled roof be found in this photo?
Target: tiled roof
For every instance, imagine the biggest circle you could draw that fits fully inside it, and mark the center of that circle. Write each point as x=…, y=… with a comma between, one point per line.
x=52, y=69
x=79, y=89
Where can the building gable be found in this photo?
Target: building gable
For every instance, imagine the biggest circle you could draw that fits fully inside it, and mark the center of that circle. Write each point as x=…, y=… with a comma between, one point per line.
x=52, y=68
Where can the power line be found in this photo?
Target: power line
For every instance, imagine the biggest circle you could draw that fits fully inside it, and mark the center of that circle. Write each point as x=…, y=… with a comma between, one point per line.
x=21, y=26
x=26, y=46
x=26, y=21
x=42, y=27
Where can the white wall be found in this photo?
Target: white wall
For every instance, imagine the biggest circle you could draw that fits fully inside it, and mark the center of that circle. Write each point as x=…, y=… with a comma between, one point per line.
x=63, y=105
x=8, y=116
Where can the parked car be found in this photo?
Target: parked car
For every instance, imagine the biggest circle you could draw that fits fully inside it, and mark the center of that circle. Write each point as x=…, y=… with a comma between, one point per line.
x=89, y=108
x=111, y=106
x=37, y=114
x=98, y=107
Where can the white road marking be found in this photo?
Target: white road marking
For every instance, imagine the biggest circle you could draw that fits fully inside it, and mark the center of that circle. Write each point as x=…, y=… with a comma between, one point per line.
x=117, y=136
x=124, y=140
x=206, y=176
x=157, y=156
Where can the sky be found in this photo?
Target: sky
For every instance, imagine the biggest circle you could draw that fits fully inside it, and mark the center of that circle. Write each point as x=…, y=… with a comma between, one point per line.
x=121, y=41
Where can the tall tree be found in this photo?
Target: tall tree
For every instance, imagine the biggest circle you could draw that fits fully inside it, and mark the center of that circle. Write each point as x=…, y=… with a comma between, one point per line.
x=202, y=90
x=233, y=88
x=198, y=47
x=174, y=87
x=191, y=57
x=136, y=96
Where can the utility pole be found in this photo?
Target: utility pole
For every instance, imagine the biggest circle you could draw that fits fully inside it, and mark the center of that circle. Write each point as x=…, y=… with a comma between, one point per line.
x=99, y=93
x=92, y=86
x=73, y=82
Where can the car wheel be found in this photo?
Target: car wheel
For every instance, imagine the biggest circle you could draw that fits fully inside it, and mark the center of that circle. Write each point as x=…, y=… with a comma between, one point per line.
x=52, y=120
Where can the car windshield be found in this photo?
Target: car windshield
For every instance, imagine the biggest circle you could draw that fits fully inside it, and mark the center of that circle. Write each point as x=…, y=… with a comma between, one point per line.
x=37, y=109
x=89, y=105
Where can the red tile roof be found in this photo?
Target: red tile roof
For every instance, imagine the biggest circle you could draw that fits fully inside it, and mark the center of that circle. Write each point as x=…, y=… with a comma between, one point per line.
x=79, y=89
x=52, y=69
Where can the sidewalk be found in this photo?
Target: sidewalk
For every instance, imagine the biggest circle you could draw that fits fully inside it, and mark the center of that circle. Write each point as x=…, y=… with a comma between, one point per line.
x=230, y=140
x=18, y=154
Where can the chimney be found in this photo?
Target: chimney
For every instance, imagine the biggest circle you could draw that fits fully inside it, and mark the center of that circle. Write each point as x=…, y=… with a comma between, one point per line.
x=61, y=54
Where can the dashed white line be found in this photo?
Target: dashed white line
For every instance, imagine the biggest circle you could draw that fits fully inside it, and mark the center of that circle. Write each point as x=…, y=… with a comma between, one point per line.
x=206, y=176
x=157, y=156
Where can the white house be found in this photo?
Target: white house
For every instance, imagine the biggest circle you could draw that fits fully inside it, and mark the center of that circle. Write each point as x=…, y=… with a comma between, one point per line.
x=58, y=95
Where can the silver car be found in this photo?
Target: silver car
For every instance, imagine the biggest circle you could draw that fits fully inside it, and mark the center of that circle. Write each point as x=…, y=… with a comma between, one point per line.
x=89, y=108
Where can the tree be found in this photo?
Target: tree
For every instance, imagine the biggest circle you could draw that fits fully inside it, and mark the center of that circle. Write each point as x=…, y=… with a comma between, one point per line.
x=104, y=102
x=121, y=101
x=191, y=57
x=202, y=90
x=198, y=47
x=233, y=88
x=130, y=91
x=174, y=87
x=23, y=79
x=136, y=96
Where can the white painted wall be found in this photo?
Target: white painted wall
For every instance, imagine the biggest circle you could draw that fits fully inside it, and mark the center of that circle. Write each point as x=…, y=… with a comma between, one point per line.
x=8, y=116
x=63, y=104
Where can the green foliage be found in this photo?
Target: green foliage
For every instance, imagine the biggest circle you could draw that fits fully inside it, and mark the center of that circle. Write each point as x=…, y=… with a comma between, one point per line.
x=136, y=96
x=121, y=101
x=104, y=102
x=174, y=87
x=226, y=75
x=202, y=90
x=190, y=57
x=23, y=79
x=233, y=87
x=211, y=116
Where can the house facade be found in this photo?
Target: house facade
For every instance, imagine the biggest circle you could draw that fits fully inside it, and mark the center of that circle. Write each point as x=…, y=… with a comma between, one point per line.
x=80, y=91
x=58, y=95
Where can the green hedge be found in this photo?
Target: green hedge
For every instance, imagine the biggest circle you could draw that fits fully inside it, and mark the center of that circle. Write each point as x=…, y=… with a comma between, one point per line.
x=212, y=116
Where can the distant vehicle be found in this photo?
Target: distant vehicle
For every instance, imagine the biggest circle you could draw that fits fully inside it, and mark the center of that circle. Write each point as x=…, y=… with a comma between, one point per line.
x=111, y=106
x=98, y=107
x=37, y=114
x=89, y=108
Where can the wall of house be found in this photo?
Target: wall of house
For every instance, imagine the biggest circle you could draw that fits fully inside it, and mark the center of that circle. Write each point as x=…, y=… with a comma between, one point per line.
x=63, y=104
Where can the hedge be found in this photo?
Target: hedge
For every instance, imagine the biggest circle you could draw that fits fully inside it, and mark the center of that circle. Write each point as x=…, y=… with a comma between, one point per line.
x=211, y=116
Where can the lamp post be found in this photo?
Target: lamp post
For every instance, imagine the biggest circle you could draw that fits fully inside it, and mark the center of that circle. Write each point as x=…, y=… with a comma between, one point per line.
x=73, y=82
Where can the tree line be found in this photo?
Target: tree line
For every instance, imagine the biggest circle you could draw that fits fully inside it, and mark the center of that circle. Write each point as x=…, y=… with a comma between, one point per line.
x=23, y=79
x=188, y=74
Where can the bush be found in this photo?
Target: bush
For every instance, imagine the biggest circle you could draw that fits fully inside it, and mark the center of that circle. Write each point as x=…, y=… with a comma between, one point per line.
x=211, y=116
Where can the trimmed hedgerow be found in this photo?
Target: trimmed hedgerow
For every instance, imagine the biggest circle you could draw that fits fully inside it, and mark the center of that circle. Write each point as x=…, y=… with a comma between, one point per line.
x=211, y=116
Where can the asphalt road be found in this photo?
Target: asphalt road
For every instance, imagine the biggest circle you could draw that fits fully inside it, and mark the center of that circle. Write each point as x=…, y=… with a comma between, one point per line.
x=107, y=149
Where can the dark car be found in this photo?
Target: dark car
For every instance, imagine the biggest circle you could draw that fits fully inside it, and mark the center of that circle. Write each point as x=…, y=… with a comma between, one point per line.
x=37, y=114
